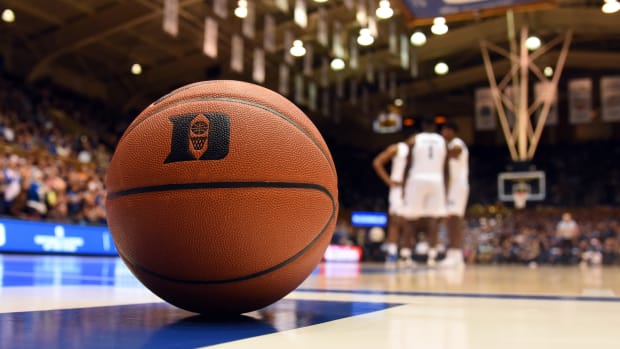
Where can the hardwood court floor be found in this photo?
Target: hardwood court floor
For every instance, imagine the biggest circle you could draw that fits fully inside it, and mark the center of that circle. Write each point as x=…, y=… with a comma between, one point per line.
x=80, y=302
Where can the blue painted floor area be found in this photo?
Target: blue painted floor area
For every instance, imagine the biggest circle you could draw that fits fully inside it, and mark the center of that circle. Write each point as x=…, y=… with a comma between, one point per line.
x=159, y=325
x=151, y=325
x=50, y=270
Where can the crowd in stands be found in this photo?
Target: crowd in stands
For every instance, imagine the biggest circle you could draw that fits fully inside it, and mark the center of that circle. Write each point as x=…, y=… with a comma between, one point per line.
x=53, y=155
x=55, y=148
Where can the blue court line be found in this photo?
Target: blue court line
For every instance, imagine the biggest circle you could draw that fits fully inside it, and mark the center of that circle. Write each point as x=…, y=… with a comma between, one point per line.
x=467, y=295
x=160, y=325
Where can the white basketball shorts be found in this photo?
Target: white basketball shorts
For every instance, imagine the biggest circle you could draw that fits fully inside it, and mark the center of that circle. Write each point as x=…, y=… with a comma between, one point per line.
x=424, y=197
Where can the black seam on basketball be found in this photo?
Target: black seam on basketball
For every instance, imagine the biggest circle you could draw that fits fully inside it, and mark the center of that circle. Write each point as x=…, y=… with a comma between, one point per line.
x=241, y=101
x=215, y=185
x=258, y=273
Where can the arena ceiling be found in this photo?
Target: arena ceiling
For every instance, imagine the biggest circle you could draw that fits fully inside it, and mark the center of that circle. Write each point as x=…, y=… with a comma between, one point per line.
x=89, y=46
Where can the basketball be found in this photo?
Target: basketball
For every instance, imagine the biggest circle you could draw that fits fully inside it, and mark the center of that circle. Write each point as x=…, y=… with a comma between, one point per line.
x=222, y=197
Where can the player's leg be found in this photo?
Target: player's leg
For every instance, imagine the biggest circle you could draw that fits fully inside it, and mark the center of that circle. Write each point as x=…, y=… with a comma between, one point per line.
x=407, y=242
x=391, y=245
x=395, y=224
x=456, y=205
x=434, y=210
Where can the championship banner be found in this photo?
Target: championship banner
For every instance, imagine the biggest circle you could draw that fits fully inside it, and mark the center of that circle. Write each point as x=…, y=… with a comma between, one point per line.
x=236, y=54
x=393, y=39
x=580, y=101
x=485, y=117
x=258, y=72
x=312, y=96
x=288, y=42
x=249, y=22
x=322, y=35
x=337, y=47
x=283, y=83
x=220, y=8
x=309, y=60
x=171, y=17
x=610, y=98
x=404, y=51
x=541, y=88
x=209, y=46
x=299, y=89
x=354, y=61
x=269, y=39
x=282, y=5
x=300, y=16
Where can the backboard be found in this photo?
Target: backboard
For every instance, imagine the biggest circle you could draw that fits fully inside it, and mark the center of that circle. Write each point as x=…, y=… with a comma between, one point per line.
x=531, y=181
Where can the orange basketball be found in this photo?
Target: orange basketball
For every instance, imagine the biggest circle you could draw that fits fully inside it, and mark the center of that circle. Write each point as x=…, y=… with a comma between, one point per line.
x=222, y=197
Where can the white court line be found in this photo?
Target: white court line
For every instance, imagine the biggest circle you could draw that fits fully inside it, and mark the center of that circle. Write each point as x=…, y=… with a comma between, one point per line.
x=598, y=292
x=29, y=298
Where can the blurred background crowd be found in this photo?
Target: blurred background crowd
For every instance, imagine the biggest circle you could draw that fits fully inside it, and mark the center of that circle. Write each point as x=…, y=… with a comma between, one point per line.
x=55, y=147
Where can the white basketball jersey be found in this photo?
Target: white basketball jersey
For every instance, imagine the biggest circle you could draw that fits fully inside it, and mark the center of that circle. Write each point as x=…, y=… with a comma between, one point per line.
x=459, y=167
x=429, y=155
x=399, y=161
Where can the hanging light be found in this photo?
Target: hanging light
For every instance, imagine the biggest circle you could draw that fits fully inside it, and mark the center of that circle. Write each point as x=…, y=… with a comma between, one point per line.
x=365, y=38
x=242, y=9
x=418, y=38
x=398, y=102
x=441, y=68
x=548, y=71
x=610, y=6
x=8, y=15
x=320, y=1
x=439, y=26
x=384, y=11
x=136, y=69
x=298, y=48
x=533, y=43
x=337, y=64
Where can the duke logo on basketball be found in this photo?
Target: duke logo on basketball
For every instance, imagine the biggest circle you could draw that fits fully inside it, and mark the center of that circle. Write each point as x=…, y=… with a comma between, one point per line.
x=203, y=136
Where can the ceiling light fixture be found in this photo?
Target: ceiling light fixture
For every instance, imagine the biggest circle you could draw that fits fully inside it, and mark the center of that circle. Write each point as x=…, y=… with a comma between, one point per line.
x=337, y=64
x=441, y=68
x=365, y=38
x=384, y=11
x=298, y=49
x=533, y=43
x=242, y=9
x=418, y=39
x=548, y=71
x=610, y=6
x=8, y=15
x=136, y=69
x=439, y=26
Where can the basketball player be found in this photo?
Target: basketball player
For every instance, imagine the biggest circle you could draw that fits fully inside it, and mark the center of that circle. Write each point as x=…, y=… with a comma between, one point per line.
x=458, y=193
x=397, y=155
x=425, y=184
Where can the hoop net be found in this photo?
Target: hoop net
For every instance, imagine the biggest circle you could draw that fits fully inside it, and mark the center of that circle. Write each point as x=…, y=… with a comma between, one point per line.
x=520, y=198
x=520, y=192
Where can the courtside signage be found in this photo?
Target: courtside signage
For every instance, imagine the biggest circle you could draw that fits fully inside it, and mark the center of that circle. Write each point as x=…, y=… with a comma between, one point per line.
x=38, y=237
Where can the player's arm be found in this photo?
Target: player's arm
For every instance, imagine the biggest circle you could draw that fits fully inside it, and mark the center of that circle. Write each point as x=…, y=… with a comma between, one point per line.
x=381, y=160
x=446, y=169
x=454, y=152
